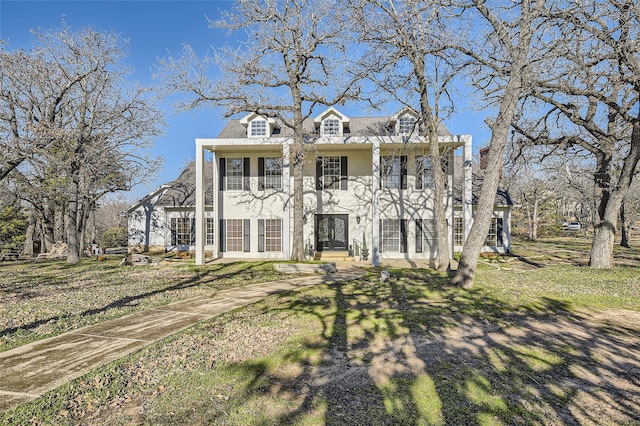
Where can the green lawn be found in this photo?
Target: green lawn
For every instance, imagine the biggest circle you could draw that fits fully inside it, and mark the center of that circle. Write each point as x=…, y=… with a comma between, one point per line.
x=538, y=340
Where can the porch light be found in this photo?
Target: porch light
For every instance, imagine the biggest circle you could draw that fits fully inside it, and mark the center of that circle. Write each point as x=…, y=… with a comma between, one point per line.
x=358, y=220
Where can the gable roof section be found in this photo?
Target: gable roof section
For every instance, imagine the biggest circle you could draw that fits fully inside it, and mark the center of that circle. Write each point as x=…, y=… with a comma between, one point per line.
x=329, y=112
x=358, y=126
x=503, y=198
x=181, y=192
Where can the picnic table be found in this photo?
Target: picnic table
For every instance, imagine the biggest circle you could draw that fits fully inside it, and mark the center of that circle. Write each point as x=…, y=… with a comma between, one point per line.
x=9, y=256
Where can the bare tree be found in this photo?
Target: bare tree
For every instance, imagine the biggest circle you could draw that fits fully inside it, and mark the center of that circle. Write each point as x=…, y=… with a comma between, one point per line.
x=96, y=127
x=408, y=61
x=291, y=62
x=32, y=96
x=590, y=92
x=629, y=210
x=503, y=54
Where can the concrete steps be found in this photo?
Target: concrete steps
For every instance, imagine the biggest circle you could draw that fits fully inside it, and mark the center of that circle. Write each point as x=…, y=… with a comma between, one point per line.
x=333, y=256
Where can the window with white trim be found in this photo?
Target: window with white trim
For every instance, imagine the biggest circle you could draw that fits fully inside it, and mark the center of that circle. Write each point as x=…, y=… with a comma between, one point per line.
x=491, y=236
x=235, y=175
x=494, y=237
x=273, y=173
x=458, y=231
x=210, y=226
x=390, y=172
x=182, y=231
x=331, y=127
x=273, y=234
x=390, y=235
x=406, y=125
x=424, y=173
x=234, y=235
x=258, y=128
x=331, y=172
x=393, y=172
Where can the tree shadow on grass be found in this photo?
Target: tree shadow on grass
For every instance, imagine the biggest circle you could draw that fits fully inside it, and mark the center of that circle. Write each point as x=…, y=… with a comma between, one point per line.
x=215, y=276
x=413, y=351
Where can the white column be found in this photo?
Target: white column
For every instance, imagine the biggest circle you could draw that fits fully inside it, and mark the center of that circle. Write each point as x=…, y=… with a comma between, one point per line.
x=375, y=205
x=450, y=211
x=216, y=207
x=287, y=229
x=200, y=195
x=506, y=228
x=467, y=196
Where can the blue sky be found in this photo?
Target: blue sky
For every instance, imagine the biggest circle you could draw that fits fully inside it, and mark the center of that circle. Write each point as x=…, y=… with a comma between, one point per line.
x=153, y=29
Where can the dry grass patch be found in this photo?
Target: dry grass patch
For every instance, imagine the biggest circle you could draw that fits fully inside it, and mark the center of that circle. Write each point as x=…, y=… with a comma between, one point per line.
x=42, y=299
x=555, y=344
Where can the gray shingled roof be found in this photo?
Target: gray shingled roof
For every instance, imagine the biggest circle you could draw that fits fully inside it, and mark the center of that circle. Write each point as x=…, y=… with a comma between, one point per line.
x=182, y=191
x=503, y=198
x=358, y=126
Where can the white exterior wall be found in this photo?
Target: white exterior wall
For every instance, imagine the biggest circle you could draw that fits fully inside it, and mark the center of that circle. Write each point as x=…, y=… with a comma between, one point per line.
x=363, y=197
x=499, y=212
x=150, y=227
x=356, y=201
x=253, y=205
x=147, y=226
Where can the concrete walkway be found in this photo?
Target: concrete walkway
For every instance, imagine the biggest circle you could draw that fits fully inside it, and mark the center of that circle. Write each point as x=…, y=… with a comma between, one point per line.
x=29, y=371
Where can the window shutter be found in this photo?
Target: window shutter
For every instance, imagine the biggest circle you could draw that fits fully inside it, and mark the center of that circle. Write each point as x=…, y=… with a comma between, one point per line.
x=246, y=229
x=260, y=235
x=499, y=229
x=223, y=235
x=444, y=162
x=261, y=174
x=319, y=185
x=403, y=235
x=380, y=236
x=403, y=172
x=344, y=177
x=246, y=175
x=419, y=172
x=173, y=231
x=223, y=173
x=193, y=232
x=418, y=235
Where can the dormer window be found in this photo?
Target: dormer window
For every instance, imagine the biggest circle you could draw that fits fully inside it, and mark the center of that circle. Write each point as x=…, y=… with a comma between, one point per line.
x=258, y=128
x=406, y=125
x=331, y=127
x=331, y=123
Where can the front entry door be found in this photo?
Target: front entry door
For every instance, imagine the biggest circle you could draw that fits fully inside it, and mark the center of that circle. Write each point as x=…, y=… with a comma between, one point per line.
x=332, y=232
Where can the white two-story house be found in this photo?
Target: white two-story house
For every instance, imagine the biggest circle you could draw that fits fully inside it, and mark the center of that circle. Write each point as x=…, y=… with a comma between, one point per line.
x=366, y=179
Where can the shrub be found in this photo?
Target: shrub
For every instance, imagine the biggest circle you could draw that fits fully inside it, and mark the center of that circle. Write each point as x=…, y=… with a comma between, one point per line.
x=115, y=237
x=13, y=225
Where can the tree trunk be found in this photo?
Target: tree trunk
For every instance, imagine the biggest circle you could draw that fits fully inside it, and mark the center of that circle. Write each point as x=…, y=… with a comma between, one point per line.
x=624, y=226
x=47, y=223
x=609, y=207
x=534, y=221
x=603, y=239
x=499, y=134
x=439, y=176
x=527, y=210
x=443, y=255
x=27, y=250
x=73, y=245
x=59, y=225
x=297, y=158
